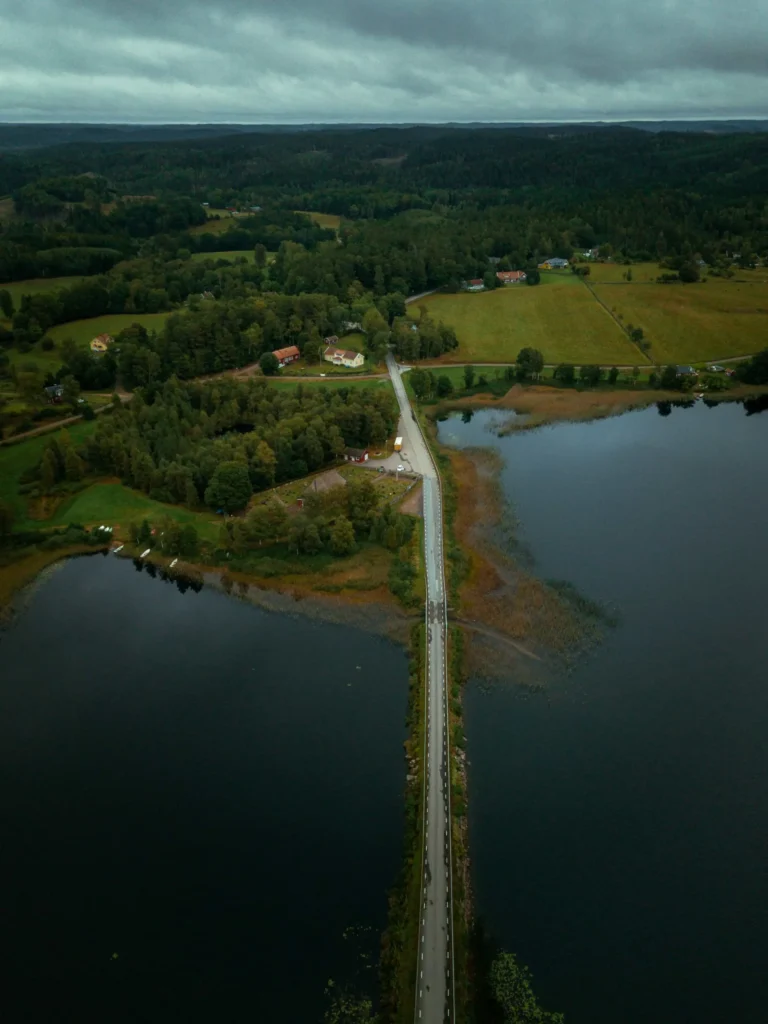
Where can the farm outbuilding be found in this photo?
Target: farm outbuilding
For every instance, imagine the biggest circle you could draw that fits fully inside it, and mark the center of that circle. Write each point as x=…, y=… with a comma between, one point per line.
x=287, y=355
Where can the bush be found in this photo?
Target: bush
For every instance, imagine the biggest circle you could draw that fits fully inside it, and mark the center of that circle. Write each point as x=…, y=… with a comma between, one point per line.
x=48, y=344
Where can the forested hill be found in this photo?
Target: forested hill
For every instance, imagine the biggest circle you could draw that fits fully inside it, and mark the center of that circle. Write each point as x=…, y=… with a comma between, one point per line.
x=38, y=136
x=410, y=159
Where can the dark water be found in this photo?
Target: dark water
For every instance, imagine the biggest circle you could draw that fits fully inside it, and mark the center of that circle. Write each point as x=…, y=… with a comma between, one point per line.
x=211, y=791
x=619, y=828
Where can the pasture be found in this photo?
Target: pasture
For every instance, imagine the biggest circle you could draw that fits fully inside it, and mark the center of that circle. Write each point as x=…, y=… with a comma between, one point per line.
x=560, y=317
x=217, y=223
x=711, y=321
x=36, y=285
x=116, y=505
x=15, y=459
x=323, y=220
x=82, y=332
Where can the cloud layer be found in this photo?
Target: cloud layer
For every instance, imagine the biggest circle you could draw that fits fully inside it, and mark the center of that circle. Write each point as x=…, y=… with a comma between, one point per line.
x=285, y=61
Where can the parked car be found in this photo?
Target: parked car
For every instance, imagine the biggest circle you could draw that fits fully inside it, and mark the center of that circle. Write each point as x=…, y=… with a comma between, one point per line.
x=716, y=369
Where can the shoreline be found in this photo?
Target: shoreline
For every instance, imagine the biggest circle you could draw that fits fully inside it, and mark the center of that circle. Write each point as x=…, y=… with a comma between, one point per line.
x=544, y=404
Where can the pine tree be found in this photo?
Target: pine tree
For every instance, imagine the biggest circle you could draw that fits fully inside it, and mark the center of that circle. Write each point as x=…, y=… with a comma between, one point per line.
x=73, y=465
x=49, y=470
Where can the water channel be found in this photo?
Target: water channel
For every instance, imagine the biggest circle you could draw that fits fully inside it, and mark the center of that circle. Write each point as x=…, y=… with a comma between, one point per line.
x=202, y=802
x=619, y=824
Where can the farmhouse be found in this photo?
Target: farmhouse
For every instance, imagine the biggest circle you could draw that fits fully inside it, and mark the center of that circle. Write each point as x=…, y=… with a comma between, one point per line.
x=284, y=356
x=355, y=454
x=475, y=285
x=54, y=393
x=101, y=343
x=553, y=263
x=510, y=276
x=343, y=357
x=686, y=371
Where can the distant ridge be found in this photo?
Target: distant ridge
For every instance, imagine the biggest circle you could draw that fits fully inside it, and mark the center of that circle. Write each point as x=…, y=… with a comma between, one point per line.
x=15, y=137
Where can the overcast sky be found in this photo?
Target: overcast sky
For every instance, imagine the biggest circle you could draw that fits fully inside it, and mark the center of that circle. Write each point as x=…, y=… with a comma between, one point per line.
x=381, y=60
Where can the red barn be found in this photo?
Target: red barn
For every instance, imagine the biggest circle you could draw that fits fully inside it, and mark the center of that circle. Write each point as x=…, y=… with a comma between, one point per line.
x=287, y=355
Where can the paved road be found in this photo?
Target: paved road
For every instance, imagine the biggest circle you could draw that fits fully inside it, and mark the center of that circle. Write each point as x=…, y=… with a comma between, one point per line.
x=435, y=1001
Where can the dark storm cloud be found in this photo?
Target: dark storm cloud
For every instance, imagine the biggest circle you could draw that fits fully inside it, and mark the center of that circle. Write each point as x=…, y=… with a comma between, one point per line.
x=330, y=60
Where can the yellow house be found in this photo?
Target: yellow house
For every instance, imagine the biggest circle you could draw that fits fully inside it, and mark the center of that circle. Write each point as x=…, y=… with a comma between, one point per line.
x=101, y=343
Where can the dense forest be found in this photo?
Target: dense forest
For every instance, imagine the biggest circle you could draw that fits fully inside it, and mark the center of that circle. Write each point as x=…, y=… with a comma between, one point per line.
x=556, y=188
x=221, y=441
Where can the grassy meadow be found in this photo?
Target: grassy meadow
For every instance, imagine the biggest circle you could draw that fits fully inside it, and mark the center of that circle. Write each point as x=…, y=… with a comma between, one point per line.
x=323, y=220
x=218, y=222
x=35, y=285
x=116, y=505
x=16, y=458
x=719, y=319
x=106, y=502
x=560, y=317
x=83, y=331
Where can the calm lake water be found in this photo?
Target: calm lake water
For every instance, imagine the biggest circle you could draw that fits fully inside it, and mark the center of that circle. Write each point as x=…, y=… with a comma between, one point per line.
x=619, y=827
x=211, y=791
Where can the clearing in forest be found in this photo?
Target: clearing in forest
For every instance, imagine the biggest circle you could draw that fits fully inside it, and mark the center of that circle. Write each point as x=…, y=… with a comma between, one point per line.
x=83, y=331
x=35, y=285
x=227, y=254
x=323, y=220
x=691, y=323
x=560, y=317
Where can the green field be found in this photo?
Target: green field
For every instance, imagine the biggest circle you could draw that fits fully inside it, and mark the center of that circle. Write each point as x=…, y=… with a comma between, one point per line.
x=218, y=222
x=324, y=220
x=83, y=331
x=227, y=254
x=35, y=285
x=108, y=503
x=560, y=317
x=16, y=458
x=696, y=322
x=115, y=505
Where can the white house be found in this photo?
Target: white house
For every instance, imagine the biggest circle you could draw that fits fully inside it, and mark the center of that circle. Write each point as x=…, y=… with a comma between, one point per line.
x=343, y=357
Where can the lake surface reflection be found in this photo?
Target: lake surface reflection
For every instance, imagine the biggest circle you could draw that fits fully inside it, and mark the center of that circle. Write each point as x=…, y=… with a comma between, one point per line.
x=210, y=791
x=619, y=825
